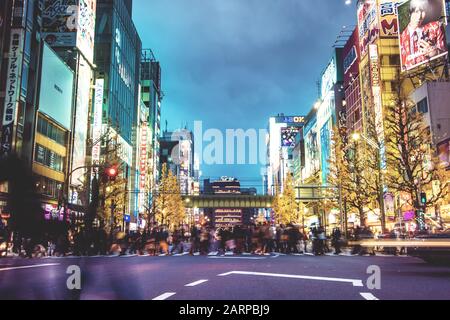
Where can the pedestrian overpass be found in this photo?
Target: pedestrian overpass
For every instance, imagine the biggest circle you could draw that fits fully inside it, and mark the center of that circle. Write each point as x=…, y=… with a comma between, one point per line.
x=306, y=193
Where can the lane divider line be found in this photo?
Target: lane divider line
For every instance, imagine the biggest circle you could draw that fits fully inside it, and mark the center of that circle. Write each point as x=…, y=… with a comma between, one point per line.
x=354, y=282
x=164, y=296
x=30, y=267
x=196, y=283
x=369, y=296
x=241, y=258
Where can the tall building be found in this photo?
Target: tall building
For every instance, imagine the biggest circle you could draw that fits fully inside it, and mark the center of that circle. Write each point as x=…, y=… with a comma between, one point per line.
x=352, y=86
x=70, y=33
x=37, y=104
x=177, y=152
x=152, y=95
x=281, y=141
x=117, y=58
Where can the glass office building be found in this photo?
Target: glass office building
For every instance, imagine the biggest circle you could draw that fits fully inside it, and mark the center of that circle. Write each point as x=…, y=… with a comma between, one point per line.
x=117, y=56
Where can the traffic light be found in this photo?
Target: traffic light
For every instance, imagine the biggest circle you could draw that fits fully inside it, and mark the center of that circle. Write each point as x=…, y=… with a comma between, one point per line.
x=112, y=173
x=423, y=198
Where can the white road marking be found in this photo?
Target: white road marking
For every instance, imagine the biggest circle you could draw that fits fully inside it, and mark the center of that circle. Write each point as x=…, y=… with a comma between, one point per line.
x=241, y=258
x=164, y=296
x=32, y=266
x=369, y=296
x=196, y=283
x=354, y=282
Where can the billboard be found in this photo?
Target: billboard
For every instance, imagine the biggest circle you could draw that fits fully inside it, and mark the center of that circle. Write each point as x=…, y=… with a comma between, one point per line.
x=55, y=97
x=298, y=121
x=422, y=32
x=14, y=72
x=70, y=23
x=288, y=136
x=325, y=145
x=388, y=18
x=227, y=217
x=367, y=24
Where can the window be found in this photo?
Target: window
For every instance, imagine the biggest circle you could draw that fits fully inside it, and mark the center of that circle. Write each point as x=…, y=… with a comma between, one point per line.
x=422, y=106
x=48, y=187
x=49, y=158
x=51, y=131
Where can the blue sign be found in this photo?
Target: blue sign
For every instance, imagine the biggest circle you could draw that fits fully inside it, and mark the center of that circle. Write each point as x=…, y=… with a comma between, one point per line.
x=127, y=218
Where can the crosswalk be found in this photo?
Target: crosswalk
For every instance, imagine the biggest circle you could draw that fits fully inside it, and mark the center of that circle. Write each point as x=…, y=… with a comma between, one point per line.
x=218, y=254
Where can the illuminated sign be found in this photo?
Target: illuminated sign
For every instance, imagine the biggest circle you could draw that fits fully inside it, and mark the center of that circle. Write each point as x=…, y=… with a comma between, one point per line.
x=97, y=124
x=388, y=18
x=377, y=99
x=350, y=59
x=288, y=136
x=295, y=120
x=70, y=23
x=122, y=69
x=227, y=217
x=423, y=40
x=14, y=72
x=367, y=24
x=329, y=78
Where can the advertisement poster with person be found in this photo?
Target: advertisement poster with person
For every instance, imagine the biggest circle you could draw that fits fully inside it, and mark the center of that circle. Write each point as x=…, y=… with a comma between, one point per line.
x=422, y=32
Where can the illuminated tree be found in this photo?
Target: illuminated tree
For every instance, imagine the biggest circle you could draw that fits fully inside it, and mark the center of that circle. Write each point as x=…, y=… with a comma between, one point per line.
x=285, y=205
x=351, y=171
x=414, y=167
x=169, y=206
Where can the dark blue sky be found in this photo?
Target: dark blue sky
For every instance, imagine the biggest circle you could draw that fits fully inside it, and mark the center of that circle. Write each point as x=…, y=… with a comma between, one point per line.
x=235, y=63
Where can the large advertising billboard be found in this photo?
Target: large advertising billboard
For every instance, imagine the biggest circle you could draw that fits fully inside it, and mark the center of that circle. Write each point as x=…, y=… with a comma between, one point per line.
x=70, y=23
x=388, y=18
x=288, y=136
x=422, y=32
x=227, y=217
x=55, y=98
x=367, y=24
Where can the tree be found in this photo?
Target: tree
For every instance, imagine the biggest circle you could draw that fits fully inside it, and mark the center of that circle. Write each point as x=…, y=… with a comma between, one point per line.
x=414, y=166
x=351, y=171
x=169, y=206
x=285, y=205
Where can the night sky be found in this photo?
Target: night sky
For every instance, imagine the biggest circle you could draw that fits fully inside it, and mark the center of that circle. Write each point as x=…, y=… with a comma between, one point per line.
x=234, y=63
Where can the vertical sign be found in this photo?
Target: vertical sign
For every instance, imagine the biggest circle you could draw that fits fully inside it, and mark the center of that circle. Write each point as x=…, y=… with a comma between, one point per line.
x=97, y=123
x=12, y=90
x=143, y=164
x=377, y=101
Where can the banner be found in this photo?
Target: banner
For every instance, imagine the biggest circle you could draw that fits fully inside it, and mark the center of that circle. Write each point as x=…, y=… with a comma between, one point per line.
x=288, y=136
x=388, y=18
x=70, y=23
x=12, y=90
x=422, y=32
x=367, y=25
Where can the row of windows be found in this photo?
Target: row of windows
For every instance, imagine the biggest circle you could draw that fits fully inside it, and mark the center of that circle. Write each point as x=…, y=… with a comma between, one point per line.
x=48, y=187
x=51, y=131
x=49, y=158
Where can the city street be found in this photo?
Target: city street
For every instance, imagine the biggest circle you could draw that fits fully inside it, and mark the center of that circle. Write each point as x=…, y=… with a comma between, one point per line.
x=224, y=278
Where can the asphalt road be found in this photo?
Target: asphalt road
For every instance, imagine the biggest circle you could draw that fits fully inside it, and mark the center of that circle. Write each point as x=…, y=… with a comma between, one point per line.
x=224, y=278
